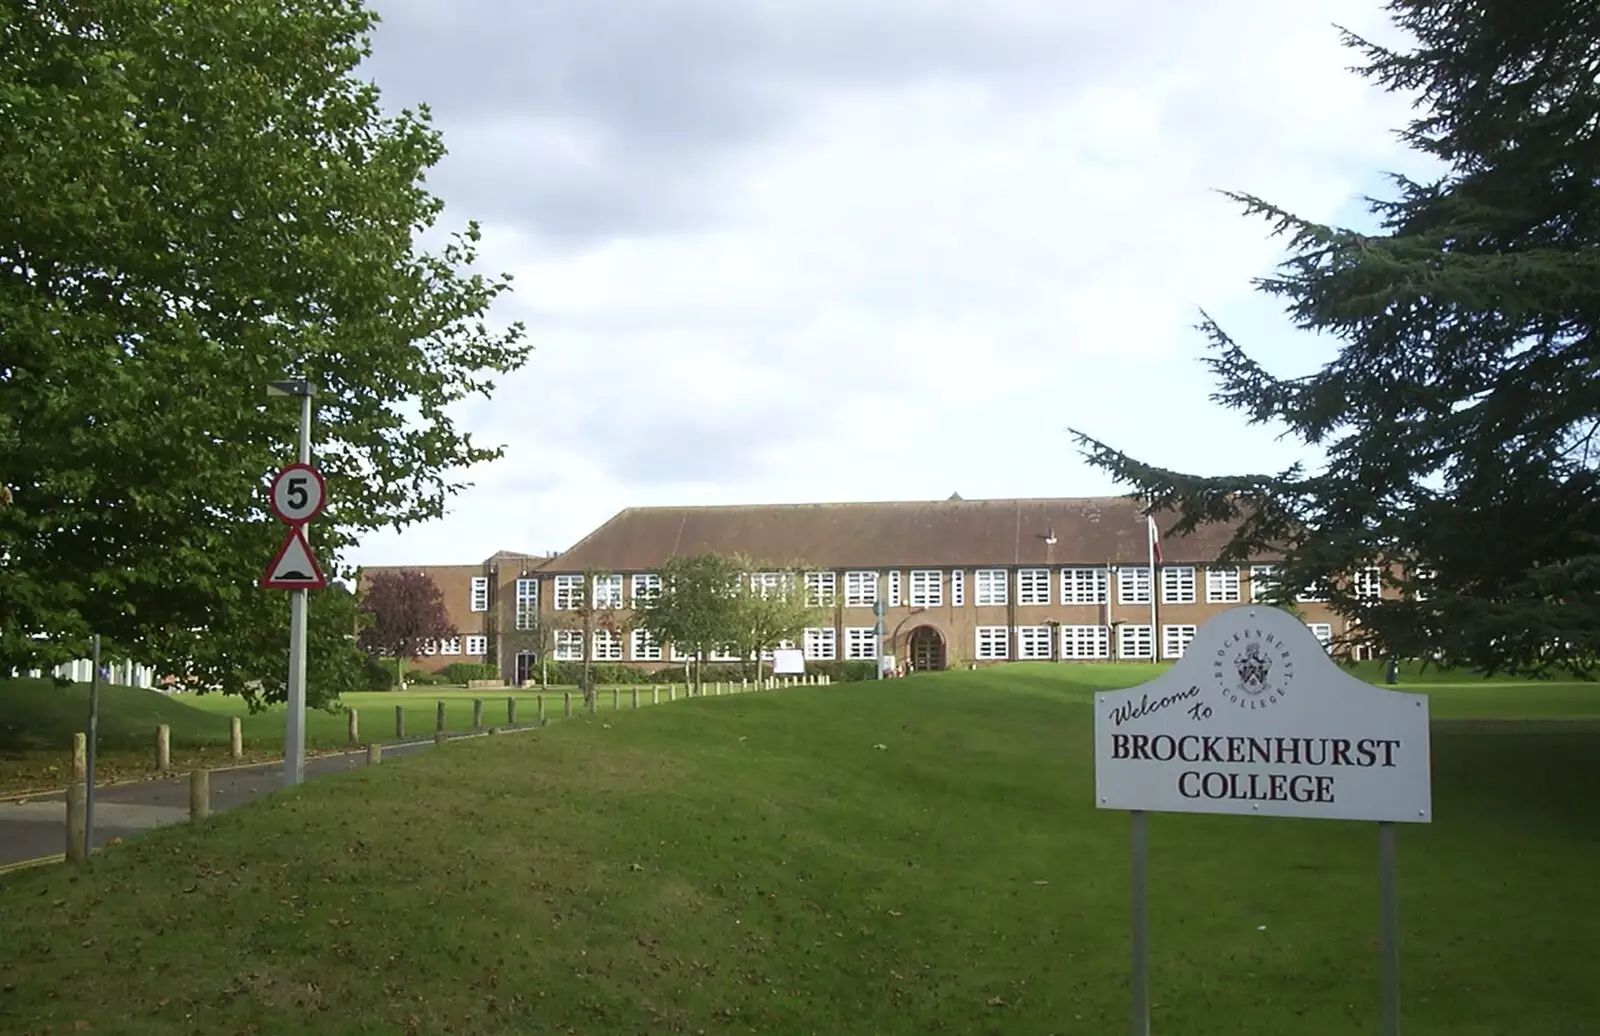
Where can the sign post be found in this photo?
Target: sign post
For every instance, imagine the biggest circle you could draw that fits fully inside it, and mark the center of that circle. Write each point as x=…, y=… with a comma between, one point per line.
x=297, y=496
x=1256, y=719
x=92, y=739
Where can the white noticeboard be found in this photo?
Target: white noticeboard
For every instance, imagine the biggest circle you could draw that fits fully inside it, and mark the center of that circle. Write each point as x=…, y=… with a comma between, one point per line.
x=1256, y=719
x=788, y=662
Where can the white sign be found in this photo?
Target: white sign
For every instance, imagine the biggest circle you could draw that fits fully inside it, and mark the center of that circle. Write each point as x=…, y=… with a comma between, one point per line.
x=1255, y=718
x=297, y=494
x=788, y=662
x=294, y=567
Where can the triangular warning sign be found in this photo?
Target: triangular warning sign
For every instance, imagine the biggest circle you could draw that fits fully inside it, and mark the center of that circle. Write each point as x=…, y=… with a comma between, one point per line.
x=294, y=567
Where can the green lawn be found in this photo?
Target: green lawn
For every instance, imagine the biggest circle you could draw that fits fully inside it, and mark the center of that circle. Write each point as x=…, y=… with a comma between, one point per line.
x=760, y=864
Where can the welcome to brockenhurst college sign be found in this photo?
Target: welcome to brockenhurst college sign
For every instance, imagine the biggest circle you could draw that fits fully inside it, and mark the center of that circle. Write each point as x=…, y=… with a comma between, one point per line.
x=1255, y=718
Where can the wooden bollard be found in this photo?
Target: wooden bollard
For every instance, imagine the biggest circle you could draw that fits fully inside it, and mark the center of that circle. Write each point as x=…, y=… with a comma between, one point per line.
x=438, y=718
x=374, y=754
x=477, y=714
x=399, y=721
x=76, y=797
x=352, y=722
x=80, y=756
x=636, y=697
x=744, y=683
x=616, y=698
x=164, y=748
x=655, y=696
x=566, y=704
x=235, y=738
x=199, y=794
x=672, y=692
x=511, y=712
x=440, y=737
x=539, y=701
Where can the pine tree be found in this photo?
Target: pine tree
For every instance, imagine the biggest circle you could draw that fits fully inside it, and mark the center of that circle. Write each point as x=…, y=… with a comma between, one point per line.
x=1460, y=416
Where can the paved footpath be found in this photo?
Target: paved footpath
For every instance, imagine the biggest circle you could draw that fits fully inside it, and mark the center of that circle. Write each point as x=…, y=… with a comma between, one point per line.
x=34, y=828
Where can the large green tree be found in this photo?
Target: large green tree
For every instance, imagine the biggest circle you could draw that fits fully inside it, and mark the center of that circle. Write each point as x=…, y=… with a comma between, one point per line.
x=1460, y=416
x=698, y=608
x=200, y=198
x=772, y=608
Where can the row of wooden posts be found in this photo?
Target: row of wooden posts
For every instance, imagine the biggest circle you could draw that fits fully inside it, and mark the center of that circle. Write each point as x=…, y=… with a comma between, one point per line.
x=200, y=780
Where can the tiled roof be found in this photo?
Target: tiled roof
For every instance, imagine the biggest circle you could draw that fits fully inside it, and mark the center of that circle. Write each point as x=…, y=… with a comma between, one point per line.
x=936, y=534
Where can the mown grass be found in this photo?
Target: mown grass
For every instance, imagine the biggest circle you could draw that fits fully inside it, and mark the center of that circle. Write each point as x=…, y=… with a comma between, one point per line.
x=910, y=856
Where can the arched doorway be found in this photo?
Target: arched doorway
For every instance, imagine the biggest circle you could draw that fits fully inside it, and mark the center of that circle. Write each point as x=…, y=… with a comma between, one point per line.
x=925, y=649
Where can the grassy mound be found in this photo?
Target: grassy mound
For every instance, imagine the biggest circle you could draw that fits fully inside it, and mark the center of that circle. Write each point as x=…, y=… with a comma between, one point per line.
x=912, y=856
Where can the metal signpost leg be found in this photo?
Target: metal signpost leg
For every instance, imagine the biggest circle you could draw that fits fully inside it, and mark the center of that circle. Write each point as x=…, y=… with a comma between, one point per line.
x=1141, y=966
x=294, y=736
x=1390, y=938
x=94, y=732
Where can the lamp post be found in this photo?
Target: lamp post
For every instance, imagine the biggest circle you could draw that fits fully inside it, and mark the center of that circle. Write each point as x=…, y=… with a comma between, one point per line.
x=294, y=731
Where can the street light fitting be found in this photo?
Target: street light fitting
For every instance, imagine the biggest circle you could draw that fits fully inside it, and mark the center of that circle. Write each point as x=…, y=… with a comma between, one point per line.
x=300, y=387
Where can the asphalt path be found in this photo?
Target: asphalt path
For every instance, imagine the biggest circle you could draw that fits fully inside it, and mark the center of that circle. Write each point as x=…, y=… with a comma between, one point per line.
x=34, y=828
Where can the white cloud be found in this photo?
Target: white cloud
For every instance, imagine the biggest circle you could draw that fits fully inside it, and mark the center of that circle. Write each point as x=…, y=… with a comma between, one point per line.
x=874, y=270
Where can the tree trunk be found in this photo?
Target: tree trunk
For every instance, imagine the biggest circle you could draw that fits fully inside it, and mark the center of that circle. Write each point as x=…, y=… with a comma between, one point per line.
x=588, y=641
x=400, y=671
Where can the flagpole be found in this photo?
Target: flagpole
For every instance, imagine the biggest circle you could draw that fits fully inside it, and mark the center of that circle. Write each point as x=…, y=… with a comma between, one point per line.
x=1155, y=590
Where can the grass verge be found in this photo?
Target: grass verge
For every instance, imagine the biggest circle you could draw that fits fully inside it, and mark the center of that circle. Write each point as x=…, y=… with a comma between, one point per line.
x=912, y=856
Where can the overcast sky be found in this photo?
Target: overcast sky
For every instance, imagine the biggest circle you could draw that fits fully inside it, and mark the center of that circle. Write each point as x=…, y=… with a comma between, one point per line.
x=817, y=250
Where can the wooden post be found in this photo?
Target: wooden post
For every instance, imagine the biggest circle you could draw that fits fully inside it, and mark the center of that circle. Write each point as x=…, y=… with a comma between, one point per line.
x=199, y=794
x=636, y=697
x=164, y=748
x=76, y=796
x=80, y=756
x=616, y=698
x=399, y=721
x=566, y=704
x=655, y=696
x=672, y=692
x=440, y=737
x=744, y=683
x=539, y=700
x=374, y=754
x=352, y=723
x=236, y=738
x=438, y=719
x=511, y=711
x=477, y=714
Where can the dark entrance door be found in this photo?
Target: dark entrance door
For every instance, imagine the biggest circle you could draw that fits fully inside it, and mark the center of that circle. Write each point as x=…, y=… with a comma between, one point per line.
x=524, y=667
x=926, y=649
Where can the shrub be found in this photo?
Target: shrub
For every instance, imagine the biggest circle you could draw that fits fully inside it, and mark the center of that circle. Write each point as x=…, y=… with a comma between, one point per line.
x=424, y=678
x=378, y=673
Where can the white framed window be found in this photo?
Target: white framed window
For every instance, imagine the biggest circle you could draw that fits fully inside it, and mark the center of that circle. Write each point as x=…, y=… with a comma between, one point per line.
x=1261, y=579
x=1323, y=631
x=1177, y=584
x=894, y=589
x=1033, y=642
x=646, y=587
x=608, y=591
x=1083, y=586
x=569, y=646
x=450, y=646
x=427, y=649
x=723, y=653
x=477, y=644
x=993, y=642
x=1085, y=642
x=860, y=642
x=927, y=588
x=1314, y=594
x=527, y=603
x=1175, y=640
x=767, y=584
x=480, y=594
x=1033, y=586
x=1135, y=642
x=607, y=646
x=569, y=593
x=1369, y=583
x=958, y=587
x=821, y=643
x=1133, y=585
x=1222, y=585
x=643, y=646
x=678, y=654
x=860, y=589
x=989, y=587
x=820, y=589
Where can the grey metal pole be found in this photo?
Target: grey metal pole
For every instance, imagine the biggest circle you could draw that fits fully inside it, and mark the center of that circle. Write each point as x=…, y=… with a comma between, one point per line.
x=1139, y=852
x=294, y=734
x=94, y=732
x=1390, y=937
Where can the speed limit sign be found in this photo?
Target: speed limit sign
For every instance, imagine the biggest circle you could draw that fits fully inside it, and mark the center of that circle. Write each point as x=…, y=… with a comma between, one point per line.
x=297, y=494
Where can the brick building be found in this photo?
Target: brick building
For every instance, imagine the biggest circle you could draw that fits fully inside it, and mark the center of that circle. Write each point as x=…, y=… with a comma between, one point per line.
x=963, y=581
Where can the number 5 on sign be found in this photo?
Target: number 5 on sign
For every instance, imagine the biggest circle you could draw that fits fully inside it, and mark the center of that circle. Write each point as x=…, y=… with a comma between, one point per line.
x=298, y=493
